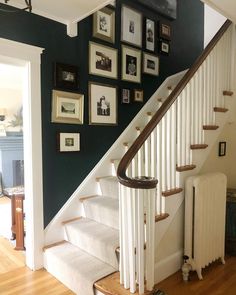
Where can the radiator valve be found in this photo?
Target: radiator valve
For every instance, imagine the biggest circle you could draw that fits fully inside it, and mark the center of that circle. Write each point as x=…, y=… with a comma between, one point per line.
x=186, y=268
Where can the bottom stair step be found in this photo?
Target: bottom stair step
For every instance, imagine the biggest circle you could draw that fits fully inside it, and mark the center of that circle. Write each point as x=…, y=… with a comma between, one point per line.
x=75, y=268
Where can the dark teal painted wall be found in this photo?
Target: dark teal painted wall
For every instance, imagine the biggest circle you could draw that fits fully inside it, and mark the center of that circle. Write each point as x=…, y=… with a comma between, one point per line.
x=62, y=173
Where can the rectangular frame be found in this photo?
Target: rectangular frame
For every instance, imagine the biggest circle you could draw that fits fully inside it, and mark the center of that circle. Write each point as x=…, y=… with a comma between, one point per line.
x=104, y=24
x=67, y=107
x=102, y=104
x=150, y=64
x=138, y=95
x=222, y=148
x=150, y=34
x=102, y=60
x=164, y=47
x=131, y=64
x=125, y=96
x=65, y=76
x=131, y=26
x=68, y=142
x=164, y=31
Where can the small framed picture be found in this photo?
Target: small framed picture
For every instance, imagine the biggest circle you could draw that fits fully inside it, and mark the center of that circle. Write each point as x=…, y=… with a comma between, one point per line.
x=164, y=47
x=69, y=142
x=138, y=95
x=104, y=24
x=150, y=64
x=102, y=60
x=125, y=96
x=131, y=26
x=65, y=76
x=165, y=31
x=67, y=107
x=222, y=148
x=131, y=64
x=150, y=34
x=102, y=104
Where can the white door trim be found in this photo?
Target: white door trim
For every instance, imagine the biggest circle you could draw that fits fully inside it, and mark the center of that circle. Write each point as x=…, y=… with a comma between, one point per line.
x=29, y=57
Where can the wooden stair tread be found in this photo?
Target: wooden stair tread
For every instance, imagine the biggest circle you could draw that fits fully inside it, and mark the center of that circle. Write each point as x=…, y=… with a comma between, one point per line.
x=210, y=127
x=198, y=146
x=53, y=245
x=228, y=93
x=110, y=285
x=71, y=220
x=161, y=217
x=172, y=192
x=104, y=177
x=149, y=113
x=220, y=110
x=185, y=168
x=86, y=198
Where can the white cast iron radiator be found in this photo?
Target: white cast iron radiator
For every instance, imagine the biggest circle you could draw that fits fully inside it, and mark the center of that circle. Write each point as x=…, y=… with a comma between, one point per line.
x=205, y=203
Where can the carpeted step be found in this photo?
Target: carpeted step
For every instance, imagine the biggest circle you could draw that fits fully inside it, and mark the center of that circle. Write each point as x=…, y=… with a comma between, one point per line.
x=103, y=209
x=109, y=186
x=75, y=268
x=95, y=238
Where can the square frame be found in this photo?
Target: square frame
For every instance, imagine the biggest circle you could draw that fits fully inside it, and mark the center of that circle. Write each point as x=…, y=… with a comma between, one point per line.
x=104, y=24
x=131, y=64
x=131, y=26
x=138, y=95
x=164, y=47
x=165, y=31
x=102, y=104
x=125, y=96
x=150, y=34
x=67, y=107
x=65, y=76
x=68, y=142
x=222, y=149
x=102, y=60
x=150, y=64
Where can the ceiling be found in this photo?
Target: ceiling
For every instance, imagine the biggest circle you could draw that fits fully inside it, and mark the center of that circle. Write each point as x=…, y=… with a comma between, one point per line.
x=225, y=7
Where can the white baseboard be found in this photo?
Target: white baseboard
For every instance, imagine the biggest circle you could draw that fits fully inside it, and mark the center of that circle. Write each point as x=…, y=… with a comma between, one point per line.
x=168, y=266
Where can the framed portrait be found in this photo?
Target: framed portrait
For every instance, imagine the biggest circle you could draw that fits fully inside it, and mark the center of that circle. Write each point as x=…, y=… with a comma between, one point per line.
x=125, y=95
x=164, y=47
x=150, y=64
x=67, y=107
x=138, y=95
x=131, y=64
x=131, y=26
x=165, y=31
x=222, y=148
x=102, y=104
x=104, y=24
x=150, y=34
x=165, y=7
x=65, y=76
x=102, y=60
x=69, y=142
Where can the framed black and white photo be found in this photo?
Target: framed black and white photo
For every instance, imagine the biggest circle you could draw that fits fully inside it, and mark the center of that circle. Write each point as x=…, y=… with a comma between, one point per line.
x=150, y=34
x=102, y=104
x=138, y=95
x=69, y=142
x=65, y=76
x=125, y=95
x=222, y=148
x=67, y=107
x=104, y=24
x=164, y=47
x=165, y=31
x=150, y=64
x=131, y=64
x=102, y=60
x=131, y=26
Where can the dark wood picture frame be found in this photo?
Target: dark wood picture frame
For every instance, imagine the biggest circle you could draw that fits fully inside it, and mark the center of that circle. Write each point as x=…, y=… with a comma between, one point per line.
x=222, y=149
x=164, y=31
x=65, y=76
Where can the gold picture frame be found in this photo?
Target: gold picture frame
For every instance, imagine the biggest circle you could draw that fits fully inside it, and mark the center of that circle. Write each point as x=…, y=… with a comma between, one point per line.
x=131, y=64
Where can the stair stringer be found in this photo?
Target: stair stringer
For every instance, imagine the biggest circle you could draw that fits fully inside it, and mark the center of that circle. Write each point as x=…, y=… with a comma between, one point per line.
x=72, y=208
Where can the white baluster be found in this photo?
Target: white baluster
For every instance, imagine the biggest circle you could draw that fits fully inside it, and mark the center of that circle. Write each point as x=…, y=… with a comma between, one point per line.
x=179, y=132
x=173, y=145
x=159, y=166
x=168, y=150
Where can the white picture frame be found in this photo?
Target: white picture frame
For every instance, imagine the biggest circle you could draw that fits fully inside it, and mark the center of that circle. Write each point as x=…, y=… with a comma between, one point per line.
x=131, y=64
x=150, y=64
x=69, y=142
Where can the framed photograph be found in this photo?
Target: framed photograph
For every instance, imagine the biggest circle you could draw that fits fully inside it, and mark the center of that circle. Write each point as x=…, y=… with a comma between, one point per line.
x=138, y=95
x=222, y=148
x=104, y=24
x=166, y=7
x=150, y=34
x=102, y=104
x=150, y=64
x=69, y=142
x=131, y=26
x=165, y=31
x=65, y=76
x=131, y=64
x=164, y=47
x=67, y=107
x=102, y=60
x=125, y=96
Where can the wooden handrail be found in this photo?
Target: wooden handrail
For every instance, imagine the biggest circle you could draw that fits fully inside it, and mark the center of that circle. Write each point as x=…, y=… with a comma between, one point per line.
x=148, y=182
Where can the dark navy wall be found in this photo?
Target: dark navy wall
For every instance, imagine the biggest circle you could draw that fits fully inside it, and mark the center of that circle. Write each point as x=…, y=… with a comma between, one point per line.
x=62, y=173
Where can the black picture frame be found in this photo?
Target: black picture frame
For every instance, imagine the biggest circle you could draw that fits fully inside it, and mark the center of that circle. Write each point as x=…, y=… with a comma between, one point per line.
x=65, y=76
x=164, y=47
x=164, y=31
x=222, y=149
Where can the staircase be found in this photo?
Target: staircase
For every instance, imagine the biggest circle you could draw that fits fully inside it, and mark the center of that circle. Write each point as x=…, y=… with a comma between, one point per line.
x=107, y=225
